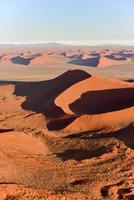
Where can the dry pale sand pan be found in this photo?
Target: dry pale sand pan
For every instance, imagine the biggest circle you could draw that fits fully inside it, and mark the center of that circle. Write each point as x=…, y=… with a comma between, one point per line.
x=70, y=137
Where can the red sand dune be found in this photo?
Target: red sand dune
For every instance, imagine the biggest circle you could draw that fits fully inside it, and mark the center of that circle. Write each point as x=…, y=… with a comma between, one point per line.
x=108, y=103
x=104, y=62
x=70, y=137
x=47, y=59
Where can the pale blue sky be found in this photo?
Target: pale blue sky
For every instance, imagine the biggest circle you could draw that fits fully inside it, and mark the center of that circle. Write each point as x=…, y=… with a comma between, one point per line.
x=68, y=21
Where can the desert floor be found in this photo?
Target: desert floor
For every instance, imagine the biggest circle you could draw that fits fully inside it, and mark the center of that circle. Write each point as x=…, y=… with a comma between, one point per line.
x=11, y=72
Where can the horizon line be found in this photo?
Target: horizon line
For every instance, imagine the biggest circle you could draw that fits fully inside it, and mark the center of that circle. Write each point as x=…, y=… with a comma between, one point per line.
x=73, y=43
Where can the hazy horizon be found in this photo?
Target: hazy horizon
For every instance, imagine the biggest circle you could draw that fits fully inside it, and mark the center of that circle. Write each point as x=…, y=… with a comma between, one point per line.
x=54, y=43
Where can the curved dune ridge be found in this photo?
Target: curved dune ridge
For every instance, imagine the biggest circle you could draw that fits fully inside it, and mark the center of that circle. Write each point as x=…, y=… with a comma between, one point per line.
x=70, y=137
x=98, y=103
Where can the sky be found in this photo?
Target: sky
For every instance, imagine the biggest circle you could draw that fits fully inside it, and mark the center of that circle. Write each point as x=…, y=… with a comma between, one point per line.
x=67, y=21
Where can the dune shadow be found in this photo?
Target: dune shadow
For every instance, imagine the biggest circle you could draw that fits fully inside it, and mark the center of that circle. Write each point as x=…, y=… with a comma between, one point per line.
x=123, y=54
x=103, y=101
x=40, y=96
x=125, y=135
x=130, y=80
x=92, y=62
x=8, y=82
x=95, y=54
x=21, y=60
x=24, y=60
x=81, y=154
x=60, y=123
x=117, y=57
x=6, y=130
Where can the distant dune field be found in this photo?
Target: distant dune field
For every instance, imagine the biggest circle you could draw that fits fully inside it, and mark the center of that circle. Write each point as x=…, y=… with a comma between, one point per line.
x=42, y=63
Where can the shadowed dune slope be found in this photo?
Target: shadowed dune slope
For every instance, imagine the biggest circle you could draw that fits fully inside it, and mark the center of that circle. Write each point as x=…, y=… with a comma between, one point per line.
x=92, y=62
x=24, y=60
x=40, y=96
x=96, y=90
x=76, y=102
x=21, y=60
x=103, y=101
x=98, y=103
